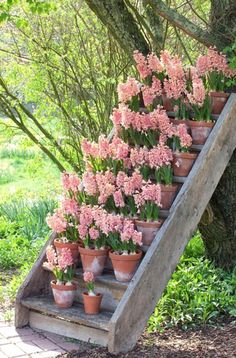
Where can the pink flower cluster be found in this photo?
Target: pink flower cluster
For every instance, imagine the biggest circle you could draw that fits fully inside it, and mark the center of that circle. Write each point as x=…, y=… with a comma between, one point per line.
x=69, y=206
x=212, y=61
x=184, y=137
x=70, y=182
x=88, y=277
x=62, y=260
x=153, y=92
x=198, y=94
x=116, y=149
x=57, y=221
x=149, y=192
x=65, y=259
x=142, y=122
x=127, y=90
x=156, y=157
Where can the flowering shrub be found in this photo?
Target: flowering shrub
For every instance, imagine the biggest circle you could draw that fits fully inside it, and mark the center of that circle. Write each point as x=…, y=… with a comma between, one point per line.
x=61, y=265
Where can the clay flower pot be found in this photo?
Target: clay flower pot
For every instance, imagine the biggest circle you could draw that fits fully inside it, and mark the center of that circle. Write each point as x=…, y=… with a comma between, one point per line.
x=63, y=295
x=148, y=230
x=218, y=101
x=186, y=122
x=92, y=303
x=93, y=260
x=182, y=163
x=168, y=194
x=200, y=131
x=72, y=246
x=125, y=265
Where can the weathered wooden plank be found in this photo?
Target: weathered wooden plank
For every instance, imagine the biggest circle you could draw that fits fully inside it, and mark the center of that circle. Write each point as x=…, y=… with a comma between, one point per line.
x=161, y=259
x=74, y=314
x=68, y=329
x=36, y=283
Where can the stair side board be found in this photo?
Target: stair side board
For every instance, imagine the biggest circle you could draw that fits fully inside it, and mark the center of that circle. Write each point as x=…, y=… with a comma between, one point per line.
x=35, y=283
x=156, y=268
x=68, y=329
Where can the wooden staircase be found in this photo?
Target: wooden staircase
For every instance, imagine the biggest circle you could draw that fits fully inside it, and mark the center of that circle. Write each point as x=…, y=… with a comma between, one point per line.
x=127, y=307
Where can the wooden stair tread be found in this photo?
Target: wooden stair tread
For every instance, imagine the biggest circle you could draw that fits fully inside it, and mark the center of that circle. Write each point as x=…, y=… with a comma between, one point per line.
x=76, y=314
x=107, y=277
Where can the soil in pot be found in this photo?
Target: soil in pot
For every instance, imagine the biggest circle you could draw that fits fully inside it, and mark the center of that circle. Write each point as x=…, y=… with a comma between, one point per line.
x=92, y=303
x=125, y=266
x=218, y=101
x=72, y=246
x=168, y=194
x=200, y=131
x=183, y=162
x=93, y=260
x=63, y=295
x=148, y=230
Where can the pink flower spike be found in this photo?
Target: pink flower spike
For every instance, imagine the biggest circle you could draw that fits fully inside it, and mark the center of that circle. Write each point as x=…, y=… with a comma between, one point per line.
x=88, y=277
x=65, y=259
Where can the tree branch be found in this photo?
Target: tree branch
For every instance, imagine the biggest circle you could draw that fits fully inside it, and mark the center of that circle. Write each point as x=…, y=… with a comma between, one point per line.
x=180, y=21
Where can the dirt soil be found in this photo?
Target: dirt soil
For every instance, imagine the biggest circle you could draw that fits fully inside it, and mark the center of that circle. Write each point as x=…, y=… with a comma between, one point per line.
x=207, y=342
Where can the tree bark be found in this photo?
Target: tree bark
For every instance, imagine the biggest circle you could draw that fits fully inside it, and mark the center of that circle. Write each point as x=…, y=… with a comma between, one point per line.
x=121, y=24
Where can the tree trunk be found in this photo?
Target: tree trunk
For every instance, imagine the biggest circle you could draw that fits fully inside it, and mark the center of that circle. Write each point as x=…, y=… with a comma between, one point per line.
x=219, y=229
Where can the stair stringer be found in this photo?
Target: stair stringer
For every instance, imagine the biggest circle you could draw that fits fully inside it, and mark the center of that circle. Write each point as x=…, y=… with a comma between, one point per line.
x=36, y=283
x=155, y=270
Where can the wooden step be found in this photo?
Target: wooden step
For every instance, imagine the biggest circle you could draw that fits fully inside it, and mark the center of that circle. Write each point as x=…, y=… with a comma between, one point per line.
x=71, y=322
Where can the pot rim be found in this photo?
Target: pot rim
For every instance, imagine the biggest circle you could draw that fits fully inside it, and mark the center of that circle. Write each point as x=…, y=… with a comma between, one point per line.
x=97, y=295
x=170, y=187
x=188, y=155
x=219, y=94
x=201, y=124
x=154, y=224
x=117, y=257
x=93, y=252
x=58, y=243
x=72, y=287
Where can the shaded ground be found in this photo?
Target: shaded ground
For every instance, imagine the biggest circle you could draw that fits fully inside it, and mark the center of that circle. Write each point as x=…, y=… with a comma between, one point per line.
x=208, y=342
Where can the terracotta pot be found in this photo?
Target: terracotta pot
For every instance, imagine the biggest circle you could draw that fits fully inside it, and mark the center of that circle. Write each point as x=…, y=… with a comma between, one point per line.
x=200, y=131
x=125, y=265
x=148, y=230
x=93, y=260
x=167, y=103
x=218, y=101
x=182, y=163
x=92, y=303
x=168, y=194
x=186, y=122
x=72, y=246
x=63, y=295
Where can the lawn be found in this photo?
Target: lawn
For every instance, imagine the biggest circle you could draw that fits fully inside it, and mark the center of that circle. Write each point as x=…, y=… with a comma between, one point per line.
x=29, y=185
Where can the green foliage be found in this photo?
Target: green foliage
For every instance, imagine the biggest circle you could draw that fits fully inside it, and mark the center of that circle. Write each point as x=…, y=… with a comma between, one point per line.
x=198, y=293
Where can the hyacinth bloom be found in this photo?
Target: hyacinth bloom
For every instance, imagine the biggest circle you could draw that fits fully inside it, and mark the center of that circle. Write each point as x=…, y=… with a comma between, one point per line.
x=141, y=64
x=89, y=280
x=185, y=140
x=70, y=182
x=61, y=264
x=148, y=201
x=65, y=259
x=127, y=90
x=70, y=206
x=57, y=222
